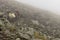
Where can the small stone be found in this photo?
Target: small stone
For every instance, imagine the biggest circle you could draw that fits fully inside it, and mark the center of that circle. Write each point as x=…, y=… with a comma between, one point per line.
x=1, y=13
x=35, y=22
x=31, y=31
x=7, y=32
x=26, y=36
x=12, y=15
x=1, y=23
x=37, y=39
x=17, y=38
x=56, y=39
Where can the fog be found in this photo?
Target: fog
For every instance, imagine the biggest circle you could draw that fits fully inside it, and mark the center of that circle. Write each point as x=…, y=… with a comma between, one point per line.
x=50, y=5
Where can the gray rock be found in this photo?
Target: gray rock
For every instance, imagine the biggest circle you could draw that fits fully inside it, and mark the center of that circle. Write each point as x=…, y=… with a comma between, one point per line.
x=18, y=39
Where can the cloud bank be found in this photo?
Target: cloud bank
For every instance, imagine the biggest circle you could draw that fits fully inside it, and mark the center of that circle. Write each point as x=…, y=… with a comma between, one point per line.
x=51, y=5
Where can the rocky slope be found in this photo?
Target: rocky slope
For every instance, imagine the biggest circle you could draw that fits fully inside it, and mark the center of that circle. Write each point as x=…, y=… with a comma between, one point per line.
x=22, y=22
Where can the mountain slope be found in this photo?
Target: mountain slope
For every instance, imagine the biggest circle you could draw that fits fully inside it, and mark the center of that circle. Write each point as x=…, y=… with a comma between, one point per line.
x=26, y=16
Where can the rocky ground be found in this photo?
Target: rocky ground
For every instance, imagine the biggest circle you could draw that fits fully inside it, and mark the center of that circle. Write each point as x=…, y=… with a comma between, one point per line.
x=21, y=31
x=22, y=22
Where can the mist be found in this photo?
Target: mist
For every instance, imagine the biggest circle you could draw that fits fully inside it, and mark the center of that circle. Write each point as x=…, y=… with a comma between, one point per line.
x=49, y=5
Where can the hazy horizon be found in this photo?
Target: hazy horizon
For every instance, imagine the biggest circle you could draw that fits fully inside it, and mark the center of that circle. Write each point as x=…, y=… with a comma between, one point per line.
x=50, y=5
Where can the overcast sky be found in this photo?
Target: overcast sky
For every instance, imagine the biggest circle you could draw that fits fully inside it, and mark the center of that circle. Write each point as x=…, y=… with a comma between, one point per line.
x=51, y=5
